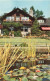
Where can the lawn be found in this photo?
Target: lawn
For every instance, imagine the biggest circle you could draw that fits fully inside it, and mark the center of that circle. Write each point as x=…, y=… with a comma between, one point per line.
x=18, y=40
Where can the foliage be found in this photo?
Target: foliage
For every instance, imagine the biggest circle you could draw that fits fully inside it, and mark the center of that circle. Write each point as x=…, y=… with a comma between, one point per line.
x=6, y=32
x=6, y=77
x=24, y=79
x=25, y=10
x=12, y=24
x=2, y=17
x=35, y=29
x=24, y=75
x=8, y=57
x=14, y=8
x=38, y=13
x=48, y=33
x=7, y=28
x=39, y=73
x=17, y=33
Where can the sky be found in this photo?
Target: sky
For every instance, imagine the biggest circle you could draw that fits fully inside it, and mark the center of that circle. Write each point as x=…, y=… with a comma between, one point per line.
x=7, y=5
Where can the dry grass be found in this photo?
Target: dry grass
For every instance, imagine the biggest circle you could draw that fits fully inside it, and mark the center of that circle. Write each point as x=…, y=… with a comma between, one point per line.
x=8, y=58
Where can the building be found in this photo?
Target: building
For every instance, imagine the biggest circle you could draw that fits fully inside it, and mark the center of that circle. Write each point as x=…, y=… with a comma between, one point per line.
x=18, y=15
x=44, y=23
x=1, y=27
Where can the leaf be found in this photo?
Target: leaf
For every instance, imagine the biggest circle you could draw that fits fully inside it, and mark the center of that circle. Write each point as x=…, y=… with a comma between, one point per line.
x=20, y=71
x=6, y=77
x=31, y=73
x=39, y=79
x=45, y=73
x=39, y=73
x=16, y=80
x=15, y=73
x=12, y=79
x=49, y=76
x=30, y=77
x=24, y=79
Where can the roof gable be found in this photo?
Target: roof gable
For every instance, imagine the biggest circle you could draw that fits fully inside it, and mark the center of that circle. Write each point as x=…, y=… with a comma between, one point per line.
x=17, y=10
x=41, y=18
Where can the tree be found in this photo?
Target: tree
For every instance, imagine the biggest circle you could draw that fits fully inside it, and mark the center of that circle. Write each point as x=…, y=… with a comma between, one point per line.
x=25, y=10
x=38, y=13
x=14, y=8
x=35, y=29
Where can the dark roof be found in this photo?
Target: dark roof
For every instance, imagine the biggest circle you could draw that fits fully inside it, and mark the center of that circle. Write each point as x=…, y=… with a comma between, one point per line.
x=41, y=17
x=17, y=10
x=1, y=26
x=47, y=23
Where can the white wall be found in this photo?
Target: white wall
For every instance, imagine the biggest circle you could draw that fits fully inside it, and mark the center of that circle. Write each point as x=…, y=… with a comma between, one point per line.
x=25, y=32
x=41, y=21
x=0, y=31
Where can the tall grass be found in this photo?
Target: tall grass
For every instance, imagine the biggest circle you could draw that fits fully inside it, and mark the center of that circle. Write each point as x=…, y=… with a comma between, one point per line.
x=8, y=57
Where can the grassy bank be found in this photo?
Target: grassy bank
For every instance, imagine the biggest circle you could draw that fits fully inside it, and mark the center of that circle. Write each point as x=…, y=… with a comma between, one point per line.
x=18, y=40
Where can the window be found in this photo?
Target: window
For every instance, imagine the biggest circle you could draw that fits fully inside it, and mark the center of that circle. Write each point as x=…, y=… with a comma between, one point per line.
x=17, y=18
x=10, y=18
x=21, y=28
x=41, y=21
x=43, y=61
x=38, y=61
x=25, y=18
x=24, y=29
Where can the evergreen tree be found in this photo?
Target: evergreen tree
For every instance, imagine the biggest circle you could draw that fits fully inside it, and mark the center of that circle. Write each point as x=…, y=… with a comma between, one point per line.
x=38, y=13
x=35, y=29
x=25, y=10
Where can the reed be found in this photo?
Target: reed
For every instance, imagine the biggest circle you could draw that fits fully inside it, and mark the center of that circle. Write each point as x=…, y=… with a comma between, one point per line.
x=8, y=57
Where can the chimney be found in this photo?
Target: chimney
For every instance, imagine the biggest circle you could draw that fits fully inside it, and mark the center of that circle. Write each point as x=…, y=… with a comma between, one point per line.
x=31, y=12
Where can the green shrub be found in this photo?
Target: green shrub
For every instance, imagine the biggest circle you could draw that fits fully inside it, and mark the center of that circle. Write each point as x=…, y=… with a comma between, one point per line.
x=17, y=33
x=6, y=32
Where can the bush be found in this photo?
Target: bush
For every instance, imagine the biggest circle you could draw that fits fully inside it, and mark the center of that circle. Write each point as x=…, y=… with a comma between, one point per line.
x=48, y=33
x=18, y=33
x=6, y=32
